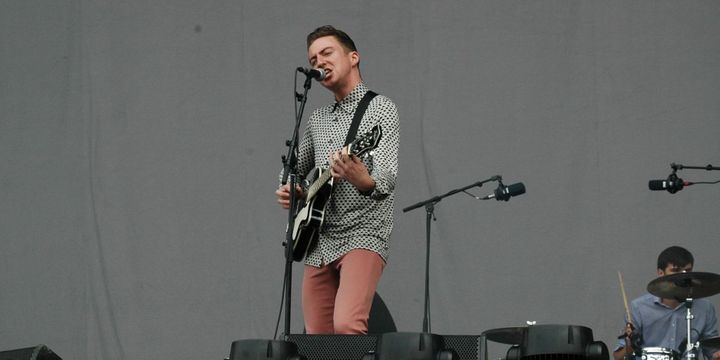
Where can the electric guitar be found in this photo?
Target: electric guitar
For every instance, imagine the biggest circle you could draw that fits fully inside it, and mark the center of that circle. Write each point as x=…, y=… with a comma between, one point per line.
x=309, y=218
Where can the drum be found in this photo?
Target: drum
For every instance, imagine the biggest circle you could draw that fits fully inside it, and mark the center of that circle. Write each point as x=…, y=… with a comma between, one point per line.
x=659, y=353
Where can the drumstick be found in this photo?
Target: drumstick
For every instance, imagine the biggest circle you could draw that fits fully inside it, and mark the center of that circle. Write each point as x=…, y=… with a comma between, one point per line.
x=622, y=289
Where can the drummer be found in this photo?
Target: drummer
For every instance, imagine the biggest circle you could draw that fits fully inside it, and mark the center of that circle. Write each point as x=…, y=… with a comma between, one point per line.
x=662, y=322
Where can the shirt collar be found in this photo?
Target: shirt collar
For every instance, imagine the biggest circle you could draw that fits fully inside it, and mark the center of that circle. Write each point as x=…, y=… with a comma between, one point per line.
x=658, y=301
x=350, y=102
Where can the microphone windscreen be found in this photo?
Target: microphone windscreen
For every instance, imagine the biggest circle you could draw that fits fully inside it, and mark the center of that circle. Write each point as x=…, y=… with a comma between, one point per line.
x=516, y=189
x=655, y=185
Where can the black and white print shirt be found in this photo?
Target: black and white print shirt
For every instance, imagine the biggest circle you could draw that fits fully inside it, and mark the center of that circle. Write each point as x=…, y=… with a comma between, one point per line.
x=353, y=220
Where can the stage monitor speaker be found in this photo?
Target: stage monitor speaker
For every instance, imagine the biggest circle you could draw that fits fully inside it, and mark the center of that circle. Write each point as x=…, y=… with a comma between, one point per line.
x=558, y=342
x=333, y=347
x=467, y=347
x=567, y=340
x=412, y=346
x=40, y=352
x=255, y=349
x=354, y=347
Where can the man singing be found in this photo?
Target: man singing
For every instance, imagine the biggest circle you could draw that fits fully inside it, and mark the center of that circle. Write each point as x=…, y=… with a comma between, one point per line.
x=342, y=271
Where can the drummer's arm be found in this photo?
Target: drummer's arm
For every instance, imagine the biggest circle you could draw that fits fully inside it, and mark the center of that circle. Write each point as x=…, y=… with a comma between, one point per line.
x=716, y=355
x=620, y=353
x=623, y=352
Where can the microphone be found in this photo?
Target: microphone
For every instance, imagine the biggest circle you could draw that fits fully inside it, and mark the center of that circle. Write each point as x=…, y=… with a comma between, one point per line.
x=317, y=74
x=672, y=184
x=506, y=192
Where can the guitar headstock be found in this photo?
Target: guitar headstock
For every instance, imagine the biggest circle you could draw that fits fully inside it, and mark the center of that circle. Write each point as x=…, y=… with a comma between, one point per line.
x=365, y=142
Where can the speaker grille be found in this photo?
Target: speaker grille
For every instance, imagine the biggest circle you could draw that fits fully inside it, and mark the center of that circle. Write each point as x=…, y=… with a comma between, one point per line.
x=466, y=346
x=333, y=347
x=353, y=347
x=554, y=357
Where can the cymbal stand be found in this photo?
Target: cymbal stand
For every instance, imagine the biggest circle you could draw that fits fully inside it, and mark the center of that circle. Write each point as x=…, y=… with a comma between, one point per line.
x=691, y=348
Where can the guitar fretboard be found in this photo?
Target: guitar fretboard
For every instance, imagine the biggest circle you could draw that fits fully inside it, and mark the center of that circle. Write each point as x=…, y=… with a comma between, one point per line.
x=319, y=183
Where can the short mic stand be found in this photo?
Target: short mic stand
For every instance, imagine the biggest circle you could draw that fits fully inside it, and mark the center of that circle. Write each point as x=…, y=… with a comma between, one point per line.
x=290, y=172
x=429, y=205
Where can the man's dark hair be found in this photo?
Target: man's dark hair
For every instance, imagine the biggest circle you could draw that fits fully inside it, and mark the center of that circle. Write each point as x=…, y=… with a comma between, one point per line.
x=675, y=255
x=329, y=30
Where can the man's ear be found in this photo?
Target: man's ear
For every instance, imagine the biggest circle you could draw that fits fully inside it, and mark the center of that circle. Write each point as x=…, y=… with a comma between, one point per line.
x=660, y=272
x=355, y=58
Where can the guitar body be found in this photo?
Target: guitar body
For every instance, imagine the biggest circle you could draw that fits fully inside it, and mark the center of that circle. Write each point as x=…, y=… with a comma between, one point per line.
x=310, y=218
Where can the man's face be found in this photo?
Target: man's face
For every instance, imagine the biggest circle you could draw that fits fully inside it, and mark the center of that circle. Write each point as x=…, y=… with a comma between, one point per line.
x=328, y=54
x=674, y=269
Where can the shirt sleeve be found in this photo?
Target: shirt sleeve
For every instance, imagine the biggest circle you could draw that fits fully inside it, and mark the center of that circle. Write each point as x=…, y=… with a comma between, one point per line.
x=621, y=342
x=710, y=330
x=636, y=321
x=306, y=152
x=385, y=156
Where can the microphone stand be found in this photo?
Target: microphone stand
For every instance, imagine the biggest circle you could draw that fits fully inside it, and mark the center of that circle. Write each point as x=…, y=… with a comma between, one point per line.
x=290, y=172
x=429, y=205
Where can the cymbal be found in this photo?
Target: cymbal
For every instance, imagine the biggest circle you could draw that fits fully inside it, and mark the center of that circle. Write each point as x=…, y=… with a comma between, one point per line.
x=711, y=342
x=508, y=335
x=681, y=286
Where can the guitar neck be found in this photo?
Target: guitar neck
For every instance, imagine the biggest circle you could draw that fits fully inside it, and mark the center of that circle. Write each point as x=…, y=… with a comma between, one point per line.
x=319, y=183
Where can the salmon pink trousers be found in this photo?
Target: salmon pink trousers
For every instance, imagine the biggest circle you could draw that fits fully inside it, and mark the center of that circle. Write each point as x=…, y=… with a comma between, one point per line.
x=336, y=297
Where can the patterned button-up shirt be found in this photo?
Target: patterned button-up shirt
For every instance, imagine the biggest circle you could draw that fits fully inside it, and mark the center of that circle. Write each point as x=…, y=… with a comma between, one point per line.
x=353, y=220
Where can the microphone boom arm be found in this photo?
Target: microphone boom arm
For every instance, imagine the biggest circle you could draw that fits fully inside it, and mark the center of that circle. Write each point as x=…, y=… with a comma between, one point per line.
x=707, y=167
x=438, y=198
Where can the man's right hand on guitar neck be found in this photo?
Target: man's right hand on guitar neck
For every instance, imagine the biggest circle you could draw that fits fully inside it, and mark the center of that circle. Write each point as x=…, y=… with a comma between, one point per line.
x=283, y=195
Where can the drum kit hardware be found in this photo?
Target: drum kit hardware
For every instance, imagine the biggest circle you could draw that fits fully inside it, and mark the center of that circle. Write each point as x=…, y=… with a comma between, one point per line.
x=713, y=342
x=684, y=287
x=659, y=353
x=687, y=285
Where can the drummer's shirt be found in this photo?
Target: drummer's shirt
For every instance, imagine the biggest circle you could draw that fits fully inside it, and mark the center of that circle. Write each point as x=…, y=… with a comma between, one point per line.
x=662, y=326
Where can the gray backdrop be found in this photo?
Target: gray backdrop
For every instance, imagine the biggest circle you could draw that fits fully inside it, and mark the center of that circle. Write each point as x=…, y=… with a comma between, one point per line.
x=140, y=143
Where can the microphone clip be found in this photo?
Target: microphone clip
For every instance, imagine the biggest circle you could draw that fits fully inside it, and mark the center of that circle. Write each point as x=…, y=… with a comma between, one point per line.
x=676, y=183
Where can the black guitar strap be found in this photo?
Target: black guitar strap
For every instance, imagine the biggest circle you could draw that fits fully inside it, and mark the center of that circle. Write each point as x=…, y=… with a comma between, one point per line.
x=359, y=112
